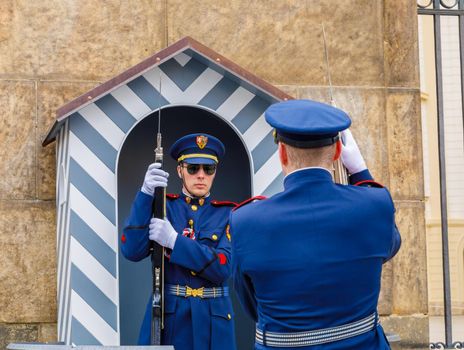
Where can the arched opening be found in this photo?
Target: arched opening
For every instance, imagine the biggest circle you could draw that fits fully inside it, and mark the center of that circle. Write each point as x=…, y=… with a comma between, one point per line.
x=233, y=182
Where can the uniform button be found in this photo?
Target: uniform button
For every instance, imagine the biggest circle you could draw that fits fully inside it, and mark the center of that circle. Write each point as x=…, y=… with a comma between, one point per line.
x=229, y=316
x=193, y=273
x=214, y=237
x=194, y=207
x=190, y=222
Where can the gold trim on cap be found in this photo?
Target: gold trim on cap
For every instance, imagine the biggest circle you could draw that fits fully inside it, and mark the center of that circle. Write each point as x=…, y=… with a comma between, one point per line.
x=197, y=155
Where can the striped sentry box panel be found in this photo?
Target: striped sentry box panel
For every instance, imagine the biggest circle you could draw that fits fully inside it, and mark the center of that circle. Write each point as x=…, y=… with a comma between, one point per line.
x=88, y=144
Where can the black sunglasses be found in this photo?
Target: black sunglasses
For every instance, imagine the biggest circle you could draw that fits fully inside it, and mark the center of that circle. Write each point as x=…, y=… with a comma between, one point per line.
x=192, y=169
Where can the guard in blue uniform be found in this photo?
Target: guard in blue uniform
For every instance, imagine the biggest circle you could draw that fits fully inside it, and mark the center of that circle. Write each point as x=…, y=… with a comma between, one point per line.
x=307, y=261
x=198, y=311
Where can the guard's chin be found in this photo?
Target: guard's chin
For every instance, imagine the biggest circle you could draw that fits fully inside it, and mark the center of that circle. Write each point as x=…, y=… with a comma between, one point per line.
x=199, y=192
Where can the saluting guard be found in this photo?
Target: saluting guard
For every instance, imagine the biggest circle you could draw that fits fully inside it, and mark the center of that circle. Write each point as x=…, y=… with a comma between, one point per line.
x=198, y=312
x=308, y=261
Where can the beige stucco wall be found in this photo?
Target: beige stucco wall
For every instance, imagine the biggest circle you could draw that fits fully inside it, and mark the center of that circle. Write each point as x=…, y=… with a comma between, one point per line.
x=50, y=52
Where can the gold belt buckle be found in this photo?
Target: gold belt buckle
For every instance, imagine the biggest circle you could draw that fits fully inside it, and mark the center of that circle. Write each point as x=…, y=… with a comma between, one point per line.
x=192, y=292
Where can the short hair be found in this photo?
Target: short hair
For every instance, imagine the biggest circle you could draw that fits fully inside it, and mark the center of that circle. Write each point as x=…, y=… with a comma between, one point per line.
x=307, y=157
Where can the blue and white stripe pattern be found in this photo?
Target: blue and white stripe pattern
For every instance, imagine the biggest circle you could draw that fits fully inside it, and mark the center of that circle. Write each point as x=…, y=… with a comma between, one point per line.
x=88, y=147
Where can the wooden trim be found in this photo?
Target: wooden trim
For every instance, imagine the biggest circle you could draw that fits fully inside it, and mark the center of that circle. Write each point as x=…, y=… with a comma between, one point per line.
x=102, y=89
x=156, y=59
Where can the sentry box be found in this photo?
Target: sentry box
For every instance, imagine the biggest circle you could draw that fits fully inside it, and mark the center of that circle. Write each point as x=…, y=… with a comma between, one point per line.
x=106, y=138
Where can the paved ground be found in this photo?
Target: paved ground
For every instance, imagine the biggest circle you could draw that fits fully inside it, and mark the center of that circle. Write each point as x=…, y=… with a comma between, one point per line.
x=437, y=328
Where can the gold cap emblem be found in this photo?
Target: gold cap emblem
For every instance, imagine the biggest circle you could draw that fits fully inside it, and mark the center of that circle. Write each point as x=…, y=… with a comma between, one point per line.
x=202, y=141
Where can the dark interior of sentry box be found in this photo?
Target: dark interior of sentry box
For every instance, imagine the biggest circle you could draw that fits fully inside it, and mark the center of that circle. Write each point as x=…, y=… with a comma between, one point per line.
x=233, y=182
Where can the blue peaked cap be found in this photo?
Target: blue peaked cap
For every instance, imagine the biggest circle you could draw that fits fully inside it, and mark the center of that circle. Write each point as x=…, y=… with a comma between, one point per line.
x=306, y=123
x=198, y=149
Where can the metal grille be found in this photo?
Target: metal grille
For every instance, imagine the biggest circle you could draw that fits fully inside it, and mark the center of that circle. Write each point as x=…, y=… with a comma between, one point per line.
x=438, y=9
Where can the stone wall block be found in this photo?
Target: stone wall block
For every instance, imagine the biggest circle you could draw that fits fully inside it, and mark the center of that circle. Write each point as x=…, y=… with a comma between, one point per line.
x=401, y=44
x=84, y=40
x=15, y=333
x=256, y=35
x=282, y=42
x=291, y=90
x=51, y=96
x=48, y=333
x=386, y=291
x=405, y=145
x=28, y=260
x=17, y=135
x=410, y=264
x=366, y=108
x=413, y=331
x=354, y=41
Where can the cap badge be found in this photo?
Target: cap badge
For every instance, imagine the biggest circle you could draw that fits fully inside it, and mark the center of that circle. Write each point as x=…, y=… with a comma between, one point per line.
x=202, y=141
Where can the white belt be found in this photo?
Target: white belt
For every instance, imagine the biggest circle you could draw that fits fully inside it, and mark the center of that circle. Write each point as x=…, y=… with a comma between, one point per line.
x=318, y=336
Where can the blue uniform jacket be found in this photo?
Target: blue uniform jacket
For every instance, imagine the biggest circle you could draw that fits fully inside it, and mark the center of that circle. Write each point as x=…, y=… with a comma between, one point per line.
x=311, y=256
x=190, y=323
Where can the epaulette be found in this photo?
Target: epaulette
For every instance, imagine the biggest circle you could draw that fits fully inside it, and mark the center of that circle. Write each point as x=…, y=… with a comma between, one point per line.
x=249, y=200
x=172, y=196
x=216, y=203
x=368, y=183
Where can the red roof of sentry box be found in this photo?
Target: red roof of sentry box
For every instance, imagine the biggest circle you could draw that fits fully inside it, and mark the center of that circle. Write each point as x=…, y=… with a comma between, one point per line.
x=154, y=60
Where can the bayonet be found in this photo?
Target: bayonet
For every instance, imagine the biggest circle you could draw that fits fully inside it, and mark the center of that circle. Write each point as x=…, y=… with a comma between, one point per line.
x=340, y=172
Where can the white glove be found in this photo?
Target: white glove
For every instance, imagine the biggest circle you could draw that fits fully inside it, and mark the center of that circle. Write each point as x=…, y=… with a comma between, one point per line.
x=154, y=177
x=162, y=232
x=351, y=155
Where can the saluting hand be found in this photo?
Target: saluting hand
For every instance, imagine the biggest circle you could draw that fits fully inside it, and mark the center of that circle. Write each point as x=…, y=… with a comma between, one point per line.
x=154, y=177
x=162, y=232
x=351, y=155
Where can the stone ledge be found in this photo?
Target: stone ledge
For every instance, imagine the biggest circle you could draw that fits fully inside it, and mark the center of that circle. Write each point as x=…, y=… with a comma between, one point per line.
x=412, y=329
x=14, y=332
x=48, y=333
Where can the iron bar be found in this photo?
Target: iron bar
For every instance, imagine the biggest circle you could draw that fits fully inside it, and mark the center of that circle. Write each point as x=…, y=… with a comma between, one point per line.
x=442, y=12
x=461, y=58
x=442, y=177
x=436, y=12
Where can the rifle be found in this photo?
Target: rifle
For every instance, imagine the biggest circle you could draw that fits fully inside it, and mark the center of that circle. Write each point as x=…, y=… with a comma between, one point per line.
x=340, y=172
x=157, y=251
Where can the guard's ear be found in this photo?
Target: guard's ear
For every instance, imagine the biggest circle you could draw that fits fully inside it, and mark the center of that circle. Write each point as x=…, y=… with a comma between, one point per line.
x=283, y=155
x=338, y=150
x=179, y=173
